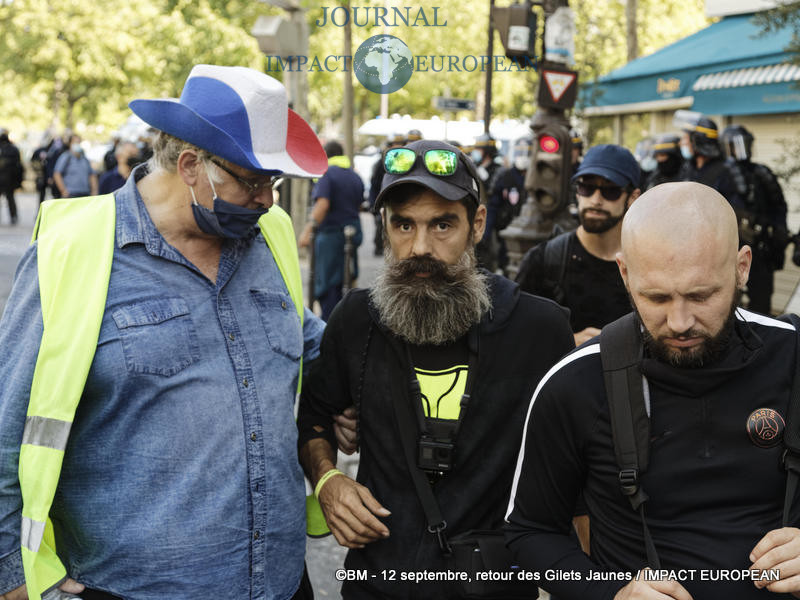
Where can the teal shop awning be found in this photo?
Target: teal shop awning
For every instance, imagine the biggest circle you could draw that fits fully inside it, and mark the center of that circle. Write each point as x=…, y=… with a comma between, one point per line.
x=726, y=68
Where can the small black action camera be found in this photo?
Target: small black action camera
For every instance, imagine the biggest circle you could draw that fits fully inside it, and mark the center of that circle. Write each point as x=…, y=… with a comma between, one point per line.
x=433, y=455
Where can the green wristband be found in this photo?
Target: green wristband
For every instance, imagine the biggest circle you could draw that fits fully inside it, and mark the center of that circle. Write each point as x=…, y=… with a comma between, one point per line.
x=324, y=479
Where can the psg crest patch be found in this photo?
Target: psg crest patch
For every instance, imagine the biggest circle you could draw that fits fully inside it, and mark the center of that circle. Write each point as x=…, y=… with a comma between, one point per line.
x=765, y=427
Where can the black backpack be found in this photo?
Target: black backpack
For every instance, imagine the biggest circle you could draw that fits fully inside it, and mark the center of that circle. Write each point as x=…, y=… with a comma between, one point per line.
x=621, y=353
x=551, y=265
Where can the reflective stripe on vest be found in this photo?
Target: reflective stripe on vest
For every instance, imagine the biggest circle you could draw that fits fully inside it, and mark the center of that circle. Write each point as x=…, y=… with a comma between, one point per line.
x=75, y=239
x=32, y=534
x=48, y=433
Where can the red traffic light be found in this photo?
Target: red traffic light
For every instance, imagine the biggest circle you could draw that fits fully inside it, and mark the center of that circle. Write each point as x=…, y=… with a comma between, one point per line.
x=548, y=144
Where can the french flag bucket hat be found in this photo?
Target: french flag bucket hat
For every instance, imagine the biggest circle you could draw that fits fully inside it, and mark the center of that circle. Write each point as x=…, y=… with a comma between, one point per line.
x=241, y=115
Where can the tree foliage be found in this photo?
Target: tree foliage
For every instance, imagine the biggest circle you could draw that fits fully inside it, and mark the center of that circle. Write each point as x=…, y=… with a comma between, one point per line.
x=83, y=61
x=786, y=14
x=72, y=61
x=600, y=42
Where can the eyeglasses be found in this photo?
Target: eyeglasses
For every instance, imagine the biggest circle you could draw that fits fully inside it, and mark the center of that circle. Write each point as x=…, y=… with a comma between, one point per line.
x=398, y=161
x=254, y=189
x=609, y=192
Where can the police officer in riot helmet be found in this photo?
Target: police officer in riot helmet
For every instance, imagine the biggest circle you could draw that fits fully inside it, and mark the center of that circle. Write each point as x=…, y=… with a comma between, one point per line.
x=577, y=148
x=506, y=196
x=483, y=155
x=577, y=157
x=699, y=145
x=667, y=153
x=413, y=135
x=757, y=198
x=647, y=161
x=393, y=140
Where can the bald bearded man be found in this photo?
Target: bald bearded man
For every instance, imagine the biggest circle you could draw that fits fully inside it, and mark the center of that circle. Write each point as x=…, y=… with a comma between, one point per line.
x=715, y=481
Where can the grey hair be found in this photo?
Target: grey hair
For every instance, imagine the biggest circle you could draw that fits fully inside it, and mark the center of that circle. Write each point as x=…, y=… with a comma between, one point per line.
x=167, y=148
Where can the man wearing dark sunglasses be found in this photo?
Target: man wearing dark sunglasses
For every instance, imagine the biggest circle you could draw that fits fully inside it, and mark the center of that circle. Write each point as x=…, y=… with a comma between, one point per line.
x=448, y=343
x=578, y=269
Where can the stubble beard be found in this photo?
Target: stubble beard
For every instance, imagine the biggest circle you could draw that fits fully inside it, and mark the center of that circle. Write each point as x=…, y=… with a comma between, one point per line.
x=707, y=352
x=435, y=309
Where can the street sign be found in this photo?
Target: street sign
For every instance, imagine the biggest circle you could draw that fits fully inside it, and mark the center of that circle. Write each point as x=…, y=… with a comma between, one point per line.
x=558, y=88
x=559, y=36
x=453, y=103
x=516, y=25
x=518, y=38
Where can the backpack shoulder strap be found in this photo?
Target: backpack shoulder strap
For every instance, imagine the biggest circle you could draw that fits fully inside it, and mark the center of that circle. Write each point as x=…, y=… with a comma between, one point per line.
x=556, y=253
x=620, y=354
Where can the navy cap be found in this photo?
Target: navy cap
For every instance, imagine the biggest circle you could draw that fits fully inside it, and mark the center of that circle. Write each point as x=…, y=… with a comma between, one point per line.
x=461, y=184
x=615, y=163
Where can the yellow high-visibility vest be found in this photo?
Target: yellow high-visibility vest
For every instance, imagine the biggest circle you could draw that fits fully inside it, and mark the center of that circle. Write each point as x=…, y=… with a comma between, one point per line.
x=75, y=239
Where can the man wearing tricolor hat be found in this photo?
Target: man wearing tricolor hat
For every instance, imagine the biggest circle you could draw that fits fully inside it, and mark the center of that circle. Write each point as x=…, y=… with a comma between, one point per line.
x=152, y=348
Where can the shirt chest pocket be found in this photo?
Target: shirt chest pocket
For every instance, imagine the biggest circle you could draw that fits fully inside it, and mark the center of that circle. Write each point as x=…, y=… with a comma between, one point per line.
x=158, y=337
x=281, y=322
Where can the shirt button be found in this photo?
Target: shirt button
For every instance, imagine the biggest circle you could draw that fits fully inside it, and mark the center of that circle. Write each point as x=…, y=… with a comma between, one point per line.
x=283, y=305
x=256, y=534
x=244, y=383
x=231, y=337
x=253, y=436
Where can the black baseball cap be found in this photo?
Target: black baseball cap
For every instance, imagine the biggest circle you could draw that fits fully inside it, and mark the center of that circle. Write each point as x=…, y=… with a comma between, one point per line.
x=463, y=183
x=612, y=162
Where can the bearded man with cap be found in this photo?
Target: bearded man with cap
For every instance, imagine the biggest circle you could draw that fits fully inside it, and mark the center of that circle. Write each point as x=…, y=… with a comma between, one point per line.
x=152, y=348
x=578, y=269
x=446, y=345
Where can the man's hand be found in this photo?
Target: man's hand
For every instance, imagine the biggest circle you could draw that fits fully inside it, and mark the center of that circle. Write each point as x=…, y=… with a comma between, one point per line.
x=305, y=236
x=585, y=335
x=350, y=511
x=21, y=593
x=779, y=549
x=638, y=589
x=344, y=426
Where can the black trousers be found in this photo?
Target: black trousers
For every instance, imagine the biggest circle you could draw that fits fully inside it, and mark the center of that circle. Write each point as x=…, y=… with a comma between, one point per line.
x=304, y=592
x=12, y=205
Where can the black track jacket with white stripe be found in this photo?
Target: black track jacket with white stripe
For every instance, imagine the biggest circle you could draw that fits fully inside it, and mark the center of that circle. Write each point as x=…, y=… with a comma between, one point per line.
x=716, y=486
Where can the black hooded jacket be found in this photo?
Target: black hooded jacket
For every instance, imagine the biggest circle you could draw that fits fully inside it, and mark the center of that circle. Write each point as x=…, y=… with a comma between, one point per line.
x=520, y=338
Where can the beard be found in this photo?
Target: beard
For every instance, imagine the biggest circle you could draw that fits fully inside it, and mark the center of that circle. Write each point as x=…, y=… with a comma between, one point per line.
x=435, y=309
x=595, y=225
x=706, y=352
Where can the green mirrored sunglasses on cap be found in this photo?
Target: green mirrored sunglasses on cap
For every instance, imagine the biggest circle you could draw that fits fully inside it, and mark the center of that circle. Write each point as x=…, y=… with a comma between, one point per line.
x=399, y=161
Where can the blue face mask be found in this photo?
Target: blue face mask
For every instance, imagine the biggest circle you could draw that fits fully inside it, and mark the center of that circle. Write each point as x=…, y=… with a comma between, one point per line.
x=649, y=163
x=226, y=220
x=476, y=156
x=687, y=153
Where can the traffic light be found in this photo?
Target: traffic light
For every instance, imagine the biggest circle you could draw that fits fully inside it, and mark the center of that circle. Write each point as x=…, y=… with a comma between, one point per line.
x=547, y=179
x=516, y=25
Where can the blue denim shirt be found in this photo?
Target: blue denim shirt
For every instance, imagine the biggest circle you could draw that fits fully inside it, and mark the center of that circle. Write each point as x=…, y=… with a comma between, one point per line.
x=180, y=479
